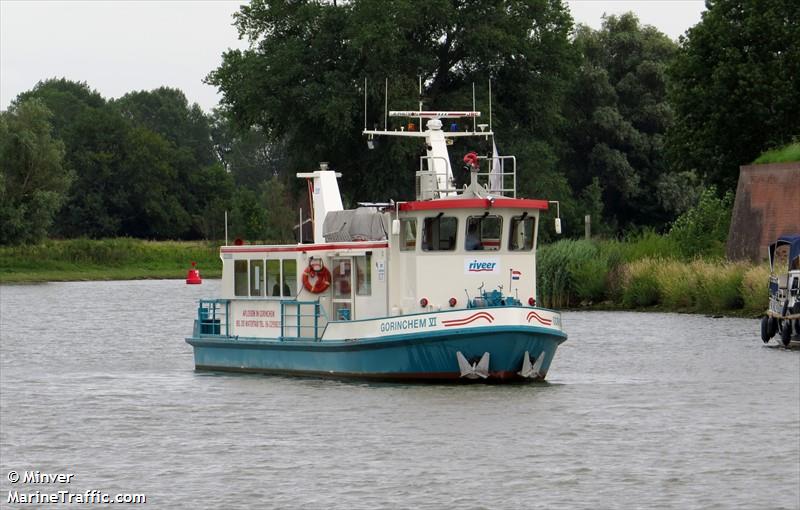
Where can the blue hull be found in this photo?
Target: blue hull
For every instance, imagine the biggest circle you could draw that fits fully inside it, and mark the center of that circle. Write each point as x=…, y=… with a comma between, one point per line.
x=423, y=357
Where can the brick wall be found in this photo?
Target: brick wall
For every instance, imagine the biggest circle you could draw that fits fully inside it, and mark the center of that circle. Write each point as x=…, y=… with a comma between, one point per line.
x=767, y=205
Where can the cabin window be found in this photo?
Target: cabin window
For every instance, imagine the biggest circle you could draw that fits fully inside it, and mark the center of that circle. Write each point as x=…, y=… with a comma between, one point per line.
x=342, y=272
x=289, y=278
x=364, y=275
x=483, y=233
x=522, y=231
x=240, y=278
x=273, y=277
x=439, y=233
x=256, y=278
x=408, y=234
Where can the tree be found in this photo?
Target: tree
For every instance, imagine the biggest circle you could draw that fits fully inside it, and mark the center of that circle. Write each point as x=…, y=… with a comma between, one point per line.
x=280, y=217
x=144, y=164
x=301, y=82
x=166, y=111
x=94, y=139
x=247, y=154
x=33, y=182
x=618, y=114
x=735, y=87
x=199, y=185
x=248, y=218
x=703, y=229
x=150, y=206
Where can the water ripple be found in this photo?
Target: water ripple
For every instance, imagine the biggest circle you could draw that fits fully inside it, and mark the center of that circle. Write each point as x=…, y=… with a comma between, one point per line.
x=642, y=410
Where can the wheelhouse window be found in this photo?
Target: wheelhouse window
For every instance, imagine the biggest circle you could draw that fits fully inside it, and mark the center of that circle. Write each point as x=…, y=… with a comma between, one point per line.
x=273, y=277
x=408, y=234
x=259, y=278
x=364, y=275
x=483, y=233
x=439, y=233
x=240, y=278
x=342, y=278
x=289, y=277
x=521, y=233
x=256, y=278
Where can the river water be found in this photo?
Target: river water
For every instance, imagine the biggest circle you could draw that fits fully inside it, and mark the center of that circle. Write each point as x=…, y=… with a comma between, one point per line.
x=642, y=410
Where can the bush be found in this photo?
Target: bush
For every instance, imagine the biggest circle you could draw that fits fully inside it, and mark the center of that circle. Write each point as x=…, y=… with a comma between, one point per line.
x=703, y=229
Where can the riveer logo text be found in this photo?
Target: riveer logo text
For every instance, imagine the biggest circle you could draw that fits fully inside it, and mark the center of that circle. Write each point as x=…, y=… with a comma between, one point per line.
x=481, y=266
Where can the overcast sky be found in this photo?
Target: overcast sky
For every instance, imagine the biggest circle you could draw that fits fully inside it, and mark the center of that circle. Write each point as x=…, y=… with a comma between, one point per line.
x=122, y=46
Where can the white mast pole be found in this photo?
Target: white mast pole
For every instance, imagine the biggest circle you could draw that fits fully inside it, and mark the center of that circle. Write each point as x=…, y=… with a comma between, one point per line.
x=420, y=102
x=365, y=103
x=386, y=106
x=490, y=105
x=474, y=119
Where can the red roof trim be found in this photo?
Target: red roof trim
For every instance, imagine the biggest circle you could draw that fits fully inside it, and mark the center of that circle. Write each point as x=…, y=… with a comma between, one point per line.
x=474, y=203
x=303, y=247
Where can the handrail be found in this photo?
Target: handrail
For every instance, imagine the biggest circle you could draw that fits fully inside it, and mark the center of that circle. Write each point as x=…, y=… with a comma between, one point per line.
x=423, y=192
x=299, y=317
x=512, y=173
x=211, y=317
x=445, y=176
x=425, y=158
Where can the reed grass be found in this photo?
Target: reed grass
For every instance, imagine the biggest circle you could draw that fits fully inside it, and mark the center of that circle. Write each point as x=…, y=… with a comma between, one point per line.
x=639, y=273
x=755, y=289
x=106, y=259
x=573, y=273
x=579, y=273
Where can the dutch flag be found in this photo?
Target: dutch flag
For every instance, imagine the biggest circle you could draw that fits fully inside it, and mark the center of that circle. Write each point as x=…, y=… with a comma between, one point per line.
x=515, y=274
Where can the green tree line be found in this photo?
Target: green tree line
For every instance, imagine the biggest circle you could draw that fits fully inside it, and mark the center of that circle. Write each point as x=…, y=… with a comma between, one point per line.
x=621, y=123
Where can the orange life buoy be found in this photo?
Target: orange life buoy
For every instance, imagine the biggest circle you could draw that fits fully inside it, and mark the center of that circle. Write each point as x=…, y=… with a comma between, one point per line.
x=316, y=280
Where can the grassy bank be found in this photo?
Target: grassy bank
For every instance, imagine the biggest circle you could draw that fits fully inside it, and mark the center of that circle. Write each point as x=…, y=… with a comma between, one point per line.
x=106, y=259
x=648, y=273
x=785, y=154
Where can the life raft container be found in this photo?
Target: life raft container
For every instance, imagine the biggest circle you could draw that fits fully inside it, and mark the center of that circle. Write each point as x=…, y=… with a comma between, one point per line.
x=317, y=279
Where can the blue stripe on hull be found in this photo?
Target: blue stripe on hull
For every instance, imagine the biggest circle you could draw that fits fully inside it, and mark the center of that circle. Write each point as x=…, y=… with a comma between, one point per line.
x=414, y=356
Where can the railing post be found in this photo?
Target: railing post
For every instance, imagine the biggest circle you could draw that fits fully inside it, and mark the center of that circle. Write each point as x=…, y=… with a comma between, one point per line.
x=514, y=159
x=298, y=318
x=316, y=320
x=282, y=318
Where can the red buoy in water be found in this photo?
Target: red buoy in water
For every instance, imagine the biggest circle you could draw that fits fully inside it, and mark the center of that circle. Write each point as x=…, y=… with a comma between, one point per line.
x=193, y=276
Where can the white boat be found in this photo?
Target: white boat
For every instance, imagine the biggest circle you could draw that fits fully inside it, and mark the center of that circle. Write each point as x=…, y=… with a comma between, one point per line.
x=784, y=290
x=439, y=288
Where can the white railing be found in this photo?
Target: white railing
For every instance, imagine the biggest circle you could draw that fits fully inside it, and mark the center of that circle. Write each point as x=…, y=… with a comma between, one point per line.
x=505, y=191
x=427, y=181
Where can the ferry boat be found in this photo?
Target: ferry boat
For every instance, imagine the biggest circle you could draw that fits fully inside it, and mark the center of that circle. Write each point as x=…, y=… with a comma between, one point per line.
x=784, y=290
x=442, y=288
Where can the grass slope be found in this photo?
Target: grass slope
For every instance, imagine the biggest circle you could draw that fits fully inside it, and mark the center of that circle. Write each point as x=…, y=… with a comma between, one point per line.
x=785, y=154
x=106, y=259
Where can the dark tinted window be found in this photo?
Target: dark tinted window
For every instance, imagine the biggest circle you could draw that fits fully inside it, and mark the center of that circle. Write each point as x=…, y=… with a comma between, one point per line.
x=521, y=233
x=439, y=233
